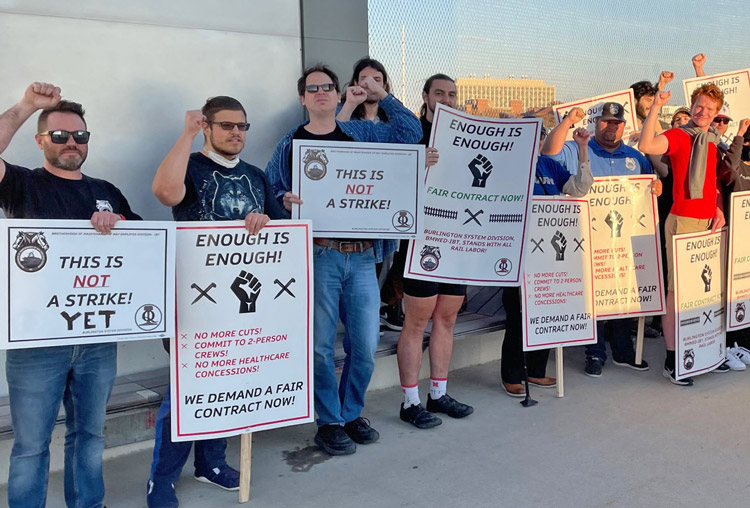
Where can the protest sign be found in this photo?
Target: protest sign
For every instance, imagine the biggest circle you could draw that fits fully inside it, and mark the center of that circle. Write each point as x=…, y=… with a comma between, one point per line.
x=592, y=108
x=477, y=200
x=558, y=285
x=66, y=284
x=359, y=190
x=242, y=356
x=627, y=252
x=738, y=276
x=736, y=88
x=700, y=335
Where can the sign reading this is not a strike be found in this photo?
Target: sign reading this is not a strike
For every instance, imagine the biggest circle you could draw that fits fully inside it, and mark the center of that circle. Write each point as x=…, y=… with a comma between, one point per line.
x=242, y=357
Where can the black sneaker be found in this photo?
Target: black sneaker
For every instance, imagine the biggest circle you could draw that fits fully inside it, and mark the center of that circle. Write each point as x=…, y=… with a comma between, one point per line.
x=668, y=373
x=419, y=417
x=361, y=431
x=334, y=440
x=593, y=366
x=630, y=362
x=448, y=405
x=391, y=317
x=724, y=367
x=649, y=332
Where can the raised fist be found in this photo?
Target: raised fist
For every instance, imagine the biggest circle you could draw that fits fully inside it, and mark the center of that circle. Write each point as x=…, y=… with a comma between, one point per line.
x=698, y=61
x=194, y=122
x=662, y=98
x=706, y=276
x=355, y=95
x=581, y=136
x=373, y=87
x=480, y=168
x=246, y=287
x=744, y=124
x=41, y=95
x=575, y=115
x=664, y=78
x=559, y=243
x=614, y=221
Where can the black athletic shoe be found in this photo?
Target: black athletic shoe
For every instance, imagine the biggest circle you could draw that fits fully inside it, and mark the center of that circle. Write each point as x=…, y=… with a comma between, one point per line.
x=668, y=373
x=593, y=366
x=334, y=440
x=630, y=362
x=724, y=367
x=419, y=417
x=448, y=405
x=361, y=432
x=391, y=317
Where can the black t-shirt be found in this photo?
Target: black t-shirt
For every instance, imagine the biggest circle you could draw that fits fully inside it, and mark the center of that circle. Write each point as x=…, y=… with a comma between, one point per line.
x=426, y=129
x=38, y=194
x=213, y=192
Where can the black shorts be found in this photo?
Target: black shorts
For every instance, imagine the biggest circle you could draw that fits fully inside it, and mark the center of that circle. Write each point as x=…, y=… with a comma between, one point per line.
x=426, y=289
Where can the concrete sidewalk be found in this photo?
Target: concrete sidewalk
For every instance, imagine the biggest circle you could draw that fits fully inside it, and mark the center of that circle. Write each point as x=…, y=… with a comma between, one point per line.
x=627, y=439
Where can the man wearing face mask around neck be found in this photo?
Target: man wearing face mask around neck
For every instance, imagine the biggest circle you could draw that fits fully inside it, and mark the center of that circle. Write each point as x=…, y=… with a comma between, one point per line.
x=211, y=185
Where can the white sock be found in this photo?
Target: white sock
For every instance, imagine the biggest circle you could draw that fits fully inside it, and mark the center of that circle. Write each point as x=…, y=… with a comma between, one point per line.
x=411, y=395
x=437, y=388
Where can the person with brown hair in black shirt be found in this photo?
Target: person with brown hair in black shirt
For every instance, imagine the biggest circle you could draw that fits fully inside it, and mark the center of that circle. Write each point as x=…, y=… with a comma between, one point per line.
x=81, y=376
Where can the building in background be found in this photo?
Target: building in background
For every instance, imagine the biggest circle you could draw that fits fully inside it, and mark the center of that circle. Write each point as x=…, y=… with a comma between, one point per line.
x=489, y=96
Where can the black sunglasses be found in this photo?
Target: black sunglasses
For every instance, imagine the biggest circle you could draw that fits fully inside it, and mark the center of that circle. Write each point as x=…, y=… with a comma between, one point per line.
x=228, y=126
x=327, y=87
x=60, y=137
x=721, y=120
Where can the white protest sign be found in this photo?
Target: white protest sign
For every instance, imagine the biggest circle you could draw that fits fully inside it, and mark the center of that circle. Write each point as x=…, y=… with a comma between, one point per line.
x=67, y=284
x=359, y=190
x=592, y=108
x=627, y=254
x=241, y=360
x=558, y=287
x=700, y=335
x=477, y=200
x=738, y=270
x=736, y=88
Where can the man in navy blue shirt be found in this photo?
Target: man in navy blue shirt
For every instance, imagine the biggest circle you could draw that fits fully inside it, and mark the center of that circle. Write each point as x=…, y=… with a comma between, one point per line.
x=609, y=156
x=210, y=185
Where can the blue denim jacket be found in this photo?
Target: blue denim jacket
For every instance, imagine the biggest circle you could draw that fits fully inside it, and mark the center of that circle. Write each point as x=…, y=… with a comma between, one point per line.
x=403, y=127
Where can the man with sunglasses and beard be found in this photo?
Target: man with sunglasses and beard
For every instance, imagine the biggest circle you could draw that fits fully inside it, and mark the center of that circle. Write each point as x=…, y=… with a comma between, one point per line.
x=81, y=376
x=213, y=184
x=345, y=282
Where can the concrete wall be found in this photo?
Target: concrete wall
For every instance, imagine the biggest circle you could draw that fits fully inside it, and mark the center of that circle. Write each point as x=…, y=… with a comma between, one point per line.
x=136, y=67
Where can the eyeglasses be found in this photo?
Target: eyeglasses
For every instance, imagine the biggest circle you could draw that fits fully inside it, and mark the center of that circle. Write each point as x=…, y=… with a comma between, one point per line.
x=228, y=126
x=60, y=137
x=327, y=87
x=721, y=120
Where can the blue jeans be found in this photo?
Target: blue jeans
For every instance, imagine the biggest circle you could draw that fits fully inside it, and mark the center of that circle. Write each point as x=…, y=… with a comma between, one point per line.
x=618, y=333
x=170, y=457
x=38, y=380
x=345, y=287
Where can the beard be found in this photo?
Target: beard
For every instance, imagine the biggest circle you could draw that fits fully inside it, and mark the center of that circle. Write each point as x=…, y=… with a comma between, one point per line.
x=67, y=162
x=226, y=150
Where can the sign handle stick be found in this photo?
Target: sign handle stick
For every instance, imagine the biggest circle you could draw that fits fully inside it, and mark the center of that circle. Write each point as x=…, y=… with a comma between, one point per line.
x=639, y=340
x=559, y=371
x=246, y=449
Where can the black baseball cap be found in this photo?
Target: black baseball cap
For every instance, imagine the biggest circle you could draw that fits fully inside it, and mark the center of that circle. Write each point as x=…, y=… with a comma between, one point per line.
x=613, y=111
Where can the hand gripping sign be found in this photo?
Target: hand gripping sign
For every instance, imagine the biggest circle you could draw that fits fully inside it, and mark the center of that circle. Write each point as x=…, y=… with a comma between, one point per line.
x=699, y=302
x=477, y=200
x=242, y=354
x=558, y=286
x=66, y=284
x=738, y=276
x=627, y=252
x=359, y=190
